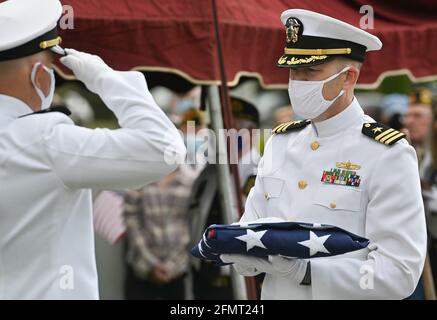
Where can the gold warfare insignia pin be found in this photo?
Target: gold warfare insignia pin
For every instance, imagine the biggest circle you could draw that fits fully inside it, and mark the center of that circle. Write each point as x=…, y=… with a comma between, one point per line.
x=348, y=165
x=292, y=28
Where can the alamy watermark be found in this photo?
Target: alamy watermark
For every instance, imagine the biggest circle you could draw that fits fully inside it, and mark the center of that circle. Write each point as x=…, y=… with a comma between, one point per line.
x=205, y=146
x=367, y=21
x=367, y=278
x=66, y=280
x=67, y=19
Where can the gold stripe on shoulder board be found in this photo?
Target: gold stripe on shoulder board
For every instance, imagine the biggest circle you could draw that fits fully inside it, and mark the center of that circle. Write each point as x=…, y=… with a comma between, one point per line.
x=284, y=128
x=388, y=136
x=277, y=128
x=381, y=135
x=288, y=126
x=399, y=135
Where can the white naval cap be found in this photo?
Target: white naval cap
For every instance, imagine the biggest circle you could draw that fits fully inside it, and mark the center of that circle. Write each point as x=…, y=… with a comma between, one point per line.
x=313, y=38
x=28, y=27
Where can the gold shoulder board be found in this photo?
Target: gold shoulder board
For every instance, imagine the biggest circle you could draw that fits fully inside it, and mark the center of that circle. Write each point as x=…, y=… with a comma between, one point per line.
x=382, y=133
x=291, y=126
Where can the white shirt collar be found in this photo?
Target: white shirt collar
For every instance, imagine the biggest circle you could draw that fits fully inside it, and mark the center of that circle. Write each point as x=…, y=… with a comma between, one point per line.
x=12, y=108
x=341, y=121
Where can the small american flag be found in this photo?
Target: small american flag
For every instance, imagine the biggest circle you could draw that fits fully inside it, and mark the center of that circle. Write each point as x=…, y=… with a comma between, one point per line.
x=108, y=210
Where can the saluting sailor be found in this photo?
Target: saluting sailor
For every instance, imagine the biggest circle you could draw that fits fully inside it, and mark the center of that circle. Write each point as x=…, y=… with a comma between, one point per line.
x=338, y=167
x=48, y=166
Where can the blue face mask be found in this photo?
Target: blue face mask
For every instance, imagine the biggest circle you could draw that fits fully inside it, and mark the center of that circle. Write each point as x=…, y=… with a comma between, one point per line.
x=192, y=142
x=184, y=105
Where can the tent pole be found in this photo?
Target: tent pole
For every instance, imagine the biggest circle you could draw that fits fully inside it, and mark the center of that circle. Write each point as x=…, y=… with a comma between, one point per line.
x=226, y=187
x=227, y=121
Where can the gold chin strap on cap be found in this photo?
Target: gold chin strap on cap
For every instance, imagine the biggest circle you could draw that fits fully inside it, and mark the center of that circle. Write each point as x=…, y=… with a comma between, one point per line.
x=317, y=52
x=50, y=43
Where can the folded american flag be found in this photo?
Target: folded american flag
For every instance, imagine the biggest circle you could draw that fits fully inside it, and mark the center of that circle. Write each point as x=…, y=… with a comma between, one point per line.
x=288, y=239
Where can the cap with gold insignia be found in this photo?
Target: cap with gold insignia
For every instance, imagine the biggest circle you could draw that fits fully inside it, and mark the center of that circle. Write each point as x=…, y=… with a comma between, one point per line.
x=421, y=96
x=313, y=38
x=243, y=109
x=28, y=27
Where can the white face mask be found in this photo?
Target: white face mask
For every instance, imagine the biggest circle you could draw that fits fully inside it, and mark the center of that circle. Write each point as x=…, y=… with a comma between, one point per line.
x=46, y=102
x=307, y=96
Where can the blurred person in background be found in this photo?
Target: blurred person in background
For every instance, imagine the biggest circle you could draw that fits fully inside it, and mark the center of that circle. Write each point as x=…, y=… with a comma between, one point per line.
x=246, y=121
x=418, y=122
x=157, y=225
x=191, y=122
x=183, y=102
x=394, y=106
x=423, y=132
x=413, y=115
x=283, y=114
x=375, y=112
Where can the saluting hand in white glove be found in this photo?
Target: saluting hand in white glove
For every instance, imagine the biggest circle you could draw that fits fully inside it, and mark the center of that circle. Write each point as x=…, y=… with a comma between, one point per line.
x=276, y=265
x=86, y=67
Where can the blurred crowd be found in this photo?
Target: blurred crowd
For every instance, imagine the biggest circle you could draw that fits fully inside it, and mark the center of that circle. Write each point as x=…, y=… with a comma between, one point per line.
x=416, y=115
x=155, y=227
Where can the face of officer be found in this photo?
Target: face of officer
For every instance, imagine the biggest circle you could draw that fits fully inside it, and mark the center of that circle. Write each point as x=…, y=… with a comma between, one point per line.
x=16, y=78
x=340, y=89
x=418, y=120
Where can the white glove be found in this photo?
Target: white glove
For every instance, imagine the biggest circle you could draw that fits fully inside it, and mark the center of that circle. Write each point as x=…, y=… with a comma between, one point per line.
x=244, y=270
x=294, y=269
x=86, y=67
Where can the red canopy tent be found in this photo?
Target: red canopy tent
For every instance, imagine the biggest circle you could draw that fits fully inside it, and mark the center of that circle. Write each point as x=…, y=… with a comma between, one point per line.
x=178, y=36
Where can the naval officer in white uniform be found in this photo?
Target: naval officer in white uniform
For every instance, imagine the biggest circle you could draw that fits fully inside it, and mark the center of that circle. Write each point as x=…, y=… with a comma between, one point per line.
x=338, y=167
x=48, y=166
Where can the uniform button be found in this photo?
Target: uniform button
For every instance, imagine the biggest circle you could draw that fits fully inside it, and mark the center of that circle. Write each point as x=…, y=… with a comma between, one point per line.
x=266, y=195
x=315, y=145
x=333, y=205
x=302, y=184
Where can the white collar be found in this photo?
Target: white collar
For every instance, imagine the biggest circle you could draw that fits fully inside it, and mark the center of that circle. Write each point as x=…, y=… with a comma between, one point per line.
x=12, y=108
x=339, y=122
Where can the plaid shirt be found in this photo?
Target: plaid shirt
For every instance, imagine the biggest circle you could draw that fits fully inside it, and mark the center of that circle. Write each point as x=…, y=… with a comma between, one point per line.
x=157, y=225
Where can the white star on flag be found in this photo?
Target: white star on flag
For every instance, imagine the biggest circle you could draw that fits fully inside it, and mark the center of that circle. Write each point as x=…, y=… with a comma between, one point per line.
x=252, y=239
x=315, y=243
